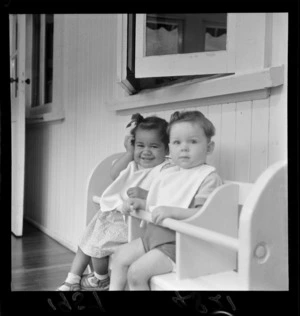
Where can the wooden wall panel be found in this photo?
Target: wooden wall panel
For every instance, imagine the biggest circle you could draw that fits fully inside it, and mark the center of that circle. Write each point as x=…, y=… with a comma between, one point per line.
x=278, y=128
x=215, y=116
x=277, y=145
x=259, y=138
x=227, y=146
x=243, y=117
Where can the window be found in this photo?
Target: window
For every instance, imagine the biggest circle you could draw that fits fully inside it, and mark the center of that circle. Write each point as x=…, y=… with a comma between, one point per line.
x=42, y=29
x=162, y=49
x=231, y=62
x=164, y=35
x=183, y=44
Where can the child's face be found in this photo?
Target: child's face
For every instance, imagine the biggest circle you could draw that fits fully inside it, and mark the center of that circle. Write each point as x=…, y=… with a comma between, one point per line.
x=149, y=150
x=188, y=145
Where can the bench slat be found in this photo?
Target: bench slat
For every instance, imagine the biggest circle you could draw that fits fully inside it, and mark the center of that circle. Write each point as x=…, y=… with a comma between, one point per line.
x=227, y=281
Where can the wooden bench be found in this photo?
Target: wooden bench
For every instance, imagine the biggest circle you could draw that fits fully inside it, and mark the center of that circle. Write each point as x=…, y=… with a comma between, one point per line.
x=237, y=241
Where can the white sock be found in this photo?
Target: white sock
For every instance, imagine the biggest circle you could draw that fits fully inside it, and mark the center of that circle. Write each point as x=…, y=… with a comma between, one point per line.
x=73, y=278
x=100, y=276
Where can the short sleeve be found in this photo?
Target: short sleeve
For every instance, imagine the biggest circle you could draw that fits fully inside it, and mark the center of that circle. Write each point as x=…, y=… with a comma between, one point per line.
x=209, y=184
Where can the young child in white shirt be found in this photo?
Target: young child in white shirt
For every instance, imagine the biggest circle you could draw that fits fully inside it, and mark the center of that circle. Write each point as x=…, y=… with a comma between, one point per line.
x=146, y=151
x=178, y=192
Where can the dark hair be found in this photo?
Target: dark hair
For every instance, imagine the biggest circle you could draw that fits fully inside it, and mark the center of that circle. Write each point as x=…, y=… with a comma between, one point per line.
x=151, y=123
x=194, y=117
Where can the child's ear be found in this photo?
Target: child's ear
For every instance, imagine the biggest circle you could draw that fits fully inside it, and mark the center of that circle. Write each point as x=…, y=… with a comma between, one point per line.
x=210, y=147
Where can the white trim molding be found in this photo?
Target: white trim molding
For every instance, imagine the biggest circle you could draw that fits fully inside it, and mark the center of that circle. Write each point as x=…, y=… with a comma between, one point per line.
x=233, y=85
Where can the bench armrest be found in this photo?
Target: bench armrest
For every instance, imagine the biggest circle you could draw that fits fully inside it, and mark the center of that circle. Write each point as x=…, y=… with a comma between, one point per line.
x=207, y=241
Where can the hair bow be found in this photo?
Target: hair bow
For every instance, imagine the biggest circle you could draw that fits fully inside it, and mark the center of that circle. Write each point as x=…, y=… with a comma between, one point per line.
x=135, y=118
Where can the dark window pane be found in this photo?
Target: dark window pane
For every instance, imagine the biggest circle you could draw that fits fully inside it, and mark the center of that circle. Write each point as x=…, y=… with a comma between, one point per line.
x=16, y=37
x=48, y=58
x=185, y=33
x=16, y=76
x=36, y=30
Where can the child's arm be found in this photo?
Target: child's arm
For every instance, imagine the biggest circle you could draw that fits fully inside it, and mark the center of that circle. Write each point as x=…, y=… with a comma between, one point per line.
x=137, y=192
x=124, y=160
x=207, y=187
x=179, y=213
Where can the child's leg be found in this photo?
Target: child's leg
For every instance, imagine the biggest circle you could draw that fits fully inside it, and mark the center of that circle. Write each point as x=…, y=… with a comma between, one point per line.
x=98, y=280
x=72, y=282
x=124, y=256
x=152, y=263
x=80, y=262
x=100, y=265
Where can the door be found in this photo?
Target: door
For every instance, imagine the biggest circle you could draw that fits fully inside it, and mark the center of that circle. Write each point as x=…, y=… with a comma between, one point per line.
x=17, y=78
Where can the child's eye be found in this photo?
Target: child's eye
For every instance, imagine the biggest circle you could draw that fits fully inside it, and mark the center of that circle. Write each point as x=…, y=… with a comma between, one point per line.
x=154, y=146
x=194, y=141
x=140, y=145
x=176, y=142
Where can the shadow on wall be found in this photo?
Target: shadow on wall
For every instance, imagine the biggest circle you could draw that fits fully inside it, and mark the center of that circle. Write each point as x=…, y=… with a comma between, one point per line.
x=36, y=173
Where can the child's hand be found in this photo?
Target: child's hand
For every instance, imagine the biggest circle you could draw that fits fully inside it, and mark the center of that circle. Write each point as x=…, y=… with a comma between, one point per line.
x=132, y=205
x=126, y=210
x=137, y=192
x=160, y=213
x=128, y=143
x=136, y=204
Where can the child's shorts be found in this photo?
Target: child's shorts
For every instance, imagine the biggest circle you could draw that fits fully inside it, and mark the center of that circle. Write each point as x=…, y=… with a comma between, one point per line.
x=169, y=249
x=173, y=265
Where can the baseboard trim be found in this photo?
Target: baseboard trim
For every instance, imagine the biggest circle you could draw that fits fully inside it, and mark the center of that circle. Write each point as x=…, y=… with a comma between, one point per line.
x=51, y=234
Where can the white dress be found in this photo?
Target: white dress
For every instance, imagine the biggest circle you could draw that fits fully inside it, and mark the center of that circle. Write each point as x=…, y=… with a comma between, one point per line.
x=107, y=229
x=105, y=232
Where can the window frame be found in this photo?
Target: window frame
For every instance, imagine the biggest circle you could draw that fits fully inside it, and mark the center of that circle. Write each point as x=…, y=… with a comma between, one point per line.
x=213, y=62
x=44, y=111
x=254, y=75
x=14, y=56
x=122, y=75
x=42, y=106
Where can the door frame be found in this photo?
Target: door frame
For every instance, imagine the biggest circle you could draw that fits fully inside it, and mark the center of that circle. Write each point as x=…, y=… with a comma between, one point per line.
x=18, y=122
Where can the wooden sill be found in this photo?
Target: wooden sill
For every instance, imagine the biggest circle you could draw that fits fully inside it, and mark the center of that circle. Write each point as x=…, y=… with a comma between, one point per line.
x=45, y=118
x=243, y=85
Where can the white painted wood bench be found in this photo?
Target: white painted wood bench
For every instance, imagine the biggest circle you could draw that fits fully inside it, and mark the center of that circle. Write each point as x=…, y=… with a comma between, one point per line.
x=237, y=241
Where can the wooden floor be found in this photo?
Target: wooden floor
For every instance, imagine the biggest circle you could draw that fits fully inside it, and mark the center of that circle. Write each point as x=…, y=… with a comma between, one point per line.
x=39, y=263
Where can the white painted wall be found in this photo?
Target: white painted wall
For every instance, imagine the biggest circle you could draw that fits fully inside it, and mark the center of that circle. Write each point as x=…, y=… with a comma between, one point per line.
x=60, y=155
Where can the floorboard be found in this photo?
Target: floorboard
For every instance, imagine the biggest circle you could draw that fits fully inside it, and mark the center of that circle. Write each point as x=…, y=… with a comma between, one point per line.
x=39, y=263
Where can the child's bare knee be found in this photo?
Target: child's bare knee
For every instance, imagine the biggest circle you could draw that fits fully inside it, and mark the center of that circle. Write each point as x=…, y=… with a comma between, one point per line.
x=117, y=258
x=136, y=275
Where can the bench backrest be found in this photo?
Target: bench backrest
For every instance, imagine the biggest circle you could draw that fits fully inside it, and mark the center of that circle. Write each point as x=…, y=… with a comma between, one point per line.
x=97, y=182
